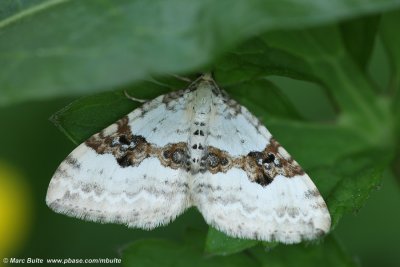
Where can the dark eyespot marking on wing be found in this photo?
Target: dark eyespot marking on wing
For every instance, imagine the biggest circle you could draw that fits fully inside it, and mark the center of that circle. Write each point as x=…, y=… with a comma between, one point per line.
x=263, y=166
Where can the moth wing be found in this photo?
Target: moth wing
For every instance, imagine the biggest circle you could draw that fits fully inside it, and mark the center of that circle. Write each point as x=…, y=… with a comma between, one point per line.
x=253, y=195
x=288, y=210
x=118, y=176
x=233, y=128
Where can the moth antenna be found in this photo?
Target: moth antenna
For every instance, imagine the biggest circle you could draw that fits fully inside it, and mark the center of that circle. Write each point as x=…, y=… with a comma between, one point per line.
x=182, y=78
x=134, y=98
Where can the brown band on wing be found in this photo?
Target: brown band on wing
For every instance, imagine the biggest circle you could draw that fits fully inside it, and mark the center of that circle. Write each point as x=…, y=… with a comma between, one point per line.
x=216, y=160
x=263, y=166
x=102, y=143
x=174, y=156
x=130, y=150
x=260, y=166
x=288, y=165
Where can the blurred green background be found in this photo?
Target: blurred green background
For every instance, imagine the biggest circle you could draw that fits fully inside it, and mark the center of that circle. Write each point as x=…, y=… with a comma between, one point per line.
x=31, y=147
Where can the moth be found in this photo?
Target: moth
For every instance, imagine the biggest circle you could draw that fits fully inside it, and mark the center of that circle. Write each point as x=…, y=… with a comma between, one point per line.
x=192, y=147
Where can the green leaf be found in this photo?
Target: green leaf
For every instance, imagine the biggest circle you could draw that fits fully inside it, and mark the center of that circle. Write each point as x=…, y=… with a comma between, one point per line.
x=323, y=51
x=255, y=59
x=255, y=95
x=218, y=243
x=359, y=37
x=328, y=253
x=9, y=8
x=93, y=45
x=316, y=54
x=147, y=253
x=351, y=183
x=392, y=42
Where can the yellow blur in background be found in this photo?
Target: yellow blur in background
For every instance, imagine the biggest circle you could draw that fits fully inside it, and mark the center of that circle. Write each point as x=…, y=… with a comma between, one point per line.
x=15, y=210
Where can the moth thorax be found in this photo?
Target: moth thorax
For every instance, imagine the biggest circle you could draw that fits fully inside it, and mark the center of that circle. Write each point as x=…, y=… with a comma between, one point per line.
x=203, y=100
x=197, y=145
x=199, y=129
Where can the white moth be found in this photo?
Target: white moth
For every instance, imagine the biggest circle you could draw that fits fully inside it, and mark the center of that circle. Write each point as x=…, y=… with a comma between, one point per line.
x=193, y=147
